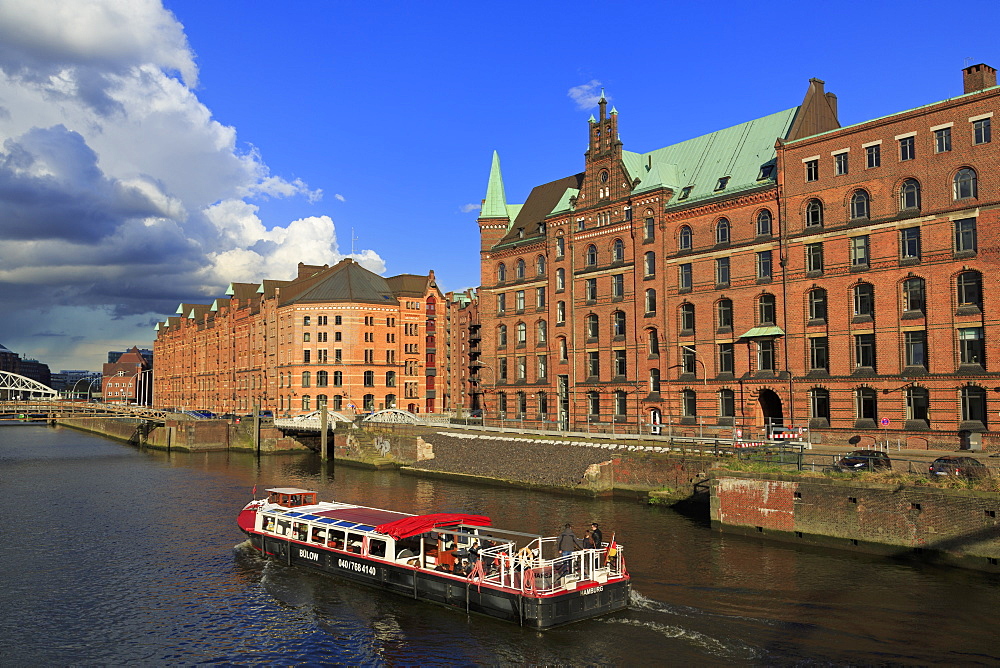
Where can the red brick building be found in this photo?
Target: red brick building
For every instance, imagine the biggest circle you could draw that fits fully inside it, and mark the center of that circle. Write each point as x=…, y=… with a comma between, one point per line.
x=462, y=352
x=340, y=336
x=127, y=380
x=782, y=272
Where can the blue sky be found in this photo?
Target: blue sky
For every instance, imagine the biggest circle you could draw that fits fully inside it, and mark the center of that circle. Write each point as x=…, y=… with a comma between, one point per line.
x=151, y=153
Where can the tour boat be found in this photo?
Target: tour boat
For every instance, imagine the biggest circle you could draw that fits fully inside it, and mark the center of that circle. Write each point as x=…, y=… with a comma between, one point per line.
x=454, y=559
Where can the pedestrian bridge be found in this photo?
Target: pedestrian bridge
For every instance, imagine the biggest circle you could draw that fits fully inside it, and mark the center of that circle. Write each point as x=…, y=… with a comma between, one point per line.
x=15, y=386
x=311, y=421
x=41, y=409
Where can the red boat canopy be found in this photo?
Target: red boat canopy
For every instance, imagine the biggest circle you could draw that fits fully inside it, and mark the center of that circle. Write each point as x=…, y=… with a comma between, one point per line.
x=411, y=526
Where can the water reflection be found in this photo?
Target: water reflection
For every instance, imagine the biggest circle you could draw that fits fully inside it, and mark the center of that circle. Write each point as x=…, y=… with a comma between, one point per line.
x=113, y=555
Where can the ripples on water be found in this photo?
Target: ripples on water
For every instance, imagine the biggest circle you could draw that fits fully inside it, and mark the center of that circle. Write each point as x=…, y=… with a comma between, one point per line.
x=114, y=556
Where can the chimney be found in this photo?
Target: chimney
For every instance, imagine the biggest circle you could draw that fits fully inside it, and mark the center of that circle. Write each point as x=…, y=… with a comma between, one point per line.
x=979, y=77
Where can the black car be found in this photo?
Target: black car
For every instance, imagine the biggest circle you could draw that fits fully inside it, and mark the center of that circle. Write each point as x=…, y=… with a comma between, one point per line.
x=964, y=467
x=865, y=460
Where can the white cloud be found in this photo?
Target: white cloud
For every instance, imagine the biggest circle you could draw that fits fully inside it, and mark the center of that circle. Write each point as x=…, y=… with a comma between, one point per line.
x=469, y=208
x=120, y=194
x=586, y=95
x=340, y=198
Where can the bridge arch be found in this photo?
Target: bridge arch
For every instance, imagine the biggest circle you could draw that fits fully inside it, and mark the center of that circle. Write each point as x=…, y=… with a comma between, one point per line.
x=14, y=386
x=393, y=415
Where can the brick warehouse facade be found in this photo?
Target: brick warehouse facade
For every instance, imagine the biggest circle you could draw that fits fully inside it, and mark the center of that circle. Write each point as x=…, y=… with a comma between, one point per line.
x=340, y=336
x=780, y=272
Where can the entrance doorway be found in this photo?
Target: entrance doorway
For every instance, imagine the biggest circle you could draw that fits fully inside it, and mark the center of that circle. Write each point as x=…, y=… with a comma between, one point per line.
x=769, y=410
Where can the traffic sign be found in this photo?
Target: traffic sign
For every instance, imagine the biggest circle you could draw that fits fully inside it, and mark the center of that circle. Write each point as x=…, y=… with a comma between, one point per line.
x=884, y=422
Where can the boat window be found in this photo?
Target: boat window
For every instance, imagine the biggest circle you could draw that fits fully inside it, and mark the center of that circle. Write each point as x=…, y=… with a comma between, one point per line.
x=376, y=548
x=354, y=542
x=301, y=531
x=269, y=524
x=319, y=535
x=283, y=527
x=336, y=539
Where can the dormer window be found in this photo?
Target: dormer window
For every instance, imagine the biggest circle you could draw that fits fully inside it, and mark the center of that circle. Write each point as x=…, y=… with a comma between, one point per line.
x=685, y=192
x=520, y=233
x=721, y=185
x=766, y=172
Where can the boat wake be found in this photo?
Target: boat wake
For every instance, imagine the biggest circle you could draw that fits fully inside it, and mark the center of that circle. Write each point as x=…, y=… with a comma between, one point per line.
x=714, y=646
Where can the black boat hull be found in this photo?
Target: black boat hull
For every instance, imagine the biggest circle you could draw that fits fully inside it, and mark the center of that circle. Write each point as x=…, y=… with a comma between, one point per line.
x=541, y=612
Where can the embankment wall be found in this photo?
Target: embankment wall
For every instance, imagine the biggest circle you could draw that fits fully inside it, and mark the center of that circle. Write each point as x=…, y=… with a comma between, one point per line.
x=954, y=526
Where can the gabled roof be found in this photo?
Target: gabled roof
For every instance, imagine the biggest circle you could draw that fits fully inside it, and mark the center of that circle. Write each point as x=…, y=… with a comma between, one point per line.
x=541, y=203
x=408, y=285
x=737, y=152
x=346, y=281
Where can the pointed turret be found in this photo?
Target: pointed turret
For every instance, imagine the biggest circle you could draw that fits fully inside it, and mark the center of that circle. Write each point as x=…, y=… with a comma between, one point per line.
x=494, y=217
x=495, y=204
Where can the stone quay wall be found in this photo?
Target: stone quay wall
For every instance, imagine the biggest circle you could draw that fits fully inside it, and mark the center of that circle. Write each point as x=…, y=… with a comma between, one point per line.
x=952, y=526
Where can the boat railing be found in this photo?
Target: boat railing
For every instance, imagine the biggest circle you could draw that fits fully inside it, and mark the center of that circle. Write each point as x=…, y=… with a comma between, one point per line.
x=505, y=565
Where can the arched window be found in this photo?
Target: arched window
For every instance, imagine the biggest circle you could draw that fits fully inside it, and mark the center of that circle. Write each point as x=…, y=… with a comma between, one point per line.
x=540, y=265
x=909, y=195
x=590, y=259
x=618, y=323
x=522, y=333
x=560, y=279
x=338, y=402
x=560, y=313
x=560, y=246
x=593, y=326
x=724, y=314
x=390, y=401
x=918, y=405
x=338, y=378
x=966, y=183
x=653, y=336
x=650, y=300
x=913, y=294
x=766, y=310
x=864, y=299
x=369, y=379
x=519, y=269
x=764, y=223
x=593, y=404
x=970, y=289
x=368, y=402
x=814, y=213
x=654, y=380
x=320, y=401
x=687, y=318
x=305, y=402
x=390, y=379
x=722, y=231
x=618, y=251
x=974, y=405
x=541, y=332
x=321, y=378
x=685, y=239
x=689, y=403
x=859, y=204
x=649, y=264
x=649, y=226
x=817, y=304
x=501, y=272
x=502, y=335
x=306, y=378
x=563, y=349
x=866, y=404
x=819, y=405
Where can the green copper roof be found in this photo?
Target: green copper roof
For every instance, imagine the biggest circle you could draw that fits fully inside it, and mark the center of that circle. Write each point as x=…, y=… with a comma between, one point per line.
x=563, y=204
x=495, y=205
x=737, y=152
x=756, y=332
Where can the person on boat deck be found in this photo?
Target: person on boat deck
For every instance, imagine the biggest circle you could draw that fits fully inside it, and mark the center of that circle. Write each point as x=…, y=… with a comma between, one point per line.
x=446, y=558
x=588, y=540
x=568, y=541
x=596, y=534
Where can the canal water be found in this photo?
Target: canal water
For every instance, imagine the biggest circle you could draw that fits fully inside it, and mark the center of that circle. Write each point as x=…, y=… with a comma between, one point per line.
x=111, y=555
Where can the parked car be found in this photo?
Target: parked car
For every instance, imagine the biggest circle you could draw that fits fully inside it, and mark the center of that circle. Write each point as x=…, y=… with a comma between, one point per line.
x=865, y=460
x=965, y=467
